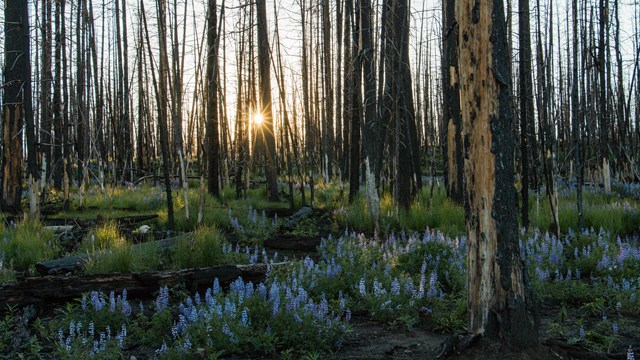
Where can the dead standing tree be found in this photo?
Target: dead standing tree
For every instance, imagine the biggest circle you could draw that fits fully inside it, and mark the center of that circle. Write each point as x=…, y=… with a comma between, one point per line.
x=266, y=110
x=498, y=300
x=16, y=107
x=451, y=107
x=213, y=138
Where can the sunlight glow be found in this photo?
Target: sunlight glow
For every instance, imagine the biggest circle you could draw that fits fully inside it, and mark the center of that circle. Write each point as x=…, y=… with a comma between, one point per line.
x=258, y=119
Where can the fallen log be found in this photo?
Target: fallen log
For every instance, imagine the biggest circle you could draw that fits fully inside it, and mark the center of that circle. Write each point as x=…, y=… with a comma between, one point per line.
x=59, y=289
x=59, y=229
x=298, y=216
x=297, y=243
x=75, y=263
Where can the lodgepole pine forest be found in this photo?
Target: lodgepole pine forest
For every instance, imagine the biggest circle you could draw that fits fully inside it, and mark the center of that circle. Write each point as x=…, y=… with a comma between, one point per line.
x=320, y=179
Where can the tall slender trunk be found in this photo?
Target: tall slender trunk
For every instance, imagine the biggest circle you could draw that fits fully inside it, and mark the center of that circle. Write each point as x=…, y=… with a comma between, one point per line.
x=16, y=108
x=353, y=118
x=46, y=117
x=268, y=134
x=576, y=119
x=525, y=90
x=451, y=108
x=126, y=122
x=328, y=90
x=213, y=141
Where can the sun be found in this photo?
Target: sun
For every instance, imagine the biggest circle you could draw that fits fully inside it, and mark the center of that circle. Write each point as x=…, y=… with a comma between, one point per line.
x=258, y=119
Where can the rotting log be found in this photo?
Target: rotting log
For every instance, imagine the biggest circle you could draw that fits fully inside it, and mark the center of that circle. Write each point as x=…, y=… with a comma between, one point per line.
x=297, y=243
x=58, y=289
x=75, y=263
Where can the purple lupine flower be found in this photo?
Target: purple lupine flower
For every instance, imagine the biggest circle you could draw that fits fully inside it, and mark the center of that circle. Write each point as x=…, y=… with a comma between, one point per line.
x=433, y=282
x=262, y=290
x=186, y=346
x=230, y=307
x=378, y=289
x=395, y=286
x=308, y=263
x=163, y=349
x=581, y=331
x=162, y=301
x=112, y=302
x=227, y=331
x=216, y=287
x=125, y=308
x=362, y=287
x=616, y=328
x=61, y=337
x=630, y=355
x=96, y=301
x=244, y=318
x=323, y=308
x=91, y=329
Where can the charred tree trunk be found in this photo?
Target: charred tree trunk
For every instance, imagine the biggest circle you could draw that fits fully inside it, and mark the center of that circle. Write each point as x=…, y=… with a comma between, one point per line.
x=401, y=102
x=58, y=137
x=526, y=102
x=576, y=119
x=498, y=299
x=162, y=107
x=46, y=115
x=126, y=123
x=353, y=118
x=213, y=141
x=268, y=135
x=370, y=125
x=453, y=153
x=328, y=90
x=16, y=108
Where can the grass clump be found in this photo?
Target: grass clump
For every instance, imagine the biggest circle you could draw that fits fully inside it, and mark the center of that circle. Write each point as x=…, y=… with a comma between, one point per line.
x=202, y=250
x=26, y=244
x=104, y=237
x=125, y=259
x=206, y=247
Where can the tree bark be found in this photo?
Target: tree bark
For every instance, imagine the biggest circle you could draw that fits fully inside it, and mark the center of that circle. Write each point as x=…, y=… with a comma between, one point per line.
x=328, y=90
x=268, y=134
x=526, y=102
x=498, y=300
x=213, y=141
x=16, y=108
x=355, y=101
x=46, y=117
x=454, y=172
x=576, y=119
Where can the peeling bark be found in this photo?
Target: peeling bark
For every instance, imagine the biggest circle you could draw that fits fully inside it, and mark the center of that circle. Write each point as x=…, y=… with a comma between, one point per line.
x=497, y=295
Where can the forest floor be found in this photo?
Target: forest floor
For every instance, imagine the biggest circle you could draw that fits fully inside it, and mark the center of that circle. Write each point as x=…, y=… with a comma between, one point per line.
x=581, y=305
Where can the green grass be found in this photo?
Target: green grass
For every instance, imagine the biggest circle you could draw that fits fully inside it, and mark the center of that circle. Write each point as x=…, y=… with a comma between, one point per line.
x=26, y=244
x=125, y=259
x=203, y=249
x=608, y=211
x=433, y=212
x=104, y=237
